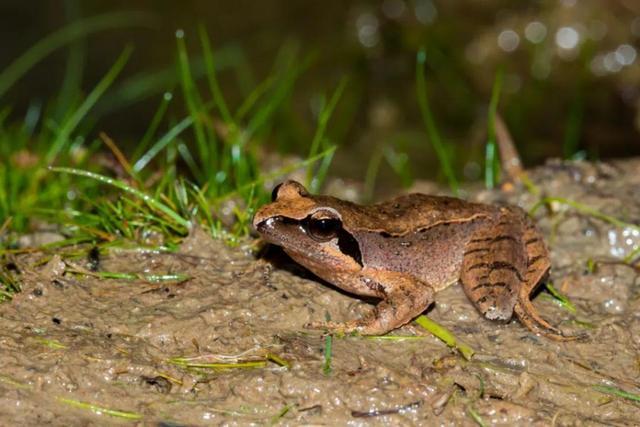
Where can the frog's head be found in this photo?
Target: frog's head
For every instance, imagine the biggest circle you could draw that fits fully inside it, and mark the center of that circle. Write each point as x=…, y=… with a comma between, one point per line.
x=309, y=228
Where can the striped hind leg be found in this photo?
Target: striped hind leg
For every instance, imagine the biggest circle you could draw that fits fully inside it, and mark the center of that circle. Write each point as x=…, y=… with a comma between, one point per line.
x=494, y=267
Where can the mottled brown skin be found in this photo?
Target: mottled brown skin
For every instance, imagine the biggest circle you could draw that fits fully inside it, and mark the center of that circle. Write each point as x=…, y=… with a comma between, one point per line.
x=405, y=250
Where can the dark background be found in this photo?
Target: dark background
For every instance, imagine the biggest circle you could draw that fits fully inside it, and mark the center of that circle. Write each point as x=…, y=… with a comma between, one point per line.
x=577, y=101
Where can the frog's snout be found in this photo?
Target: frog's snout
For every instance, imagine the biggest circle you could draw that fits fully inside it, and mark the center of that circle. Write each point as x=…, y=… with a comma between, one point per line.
x=266, y=226
x=259, y=218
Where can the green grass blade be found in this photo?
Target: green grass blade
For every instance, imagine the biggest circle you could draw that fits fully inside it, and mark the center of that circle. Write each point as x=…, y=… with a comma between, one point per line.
x=72, y=32
x=328, y=350
x=445, y=335
x=475, y=416
x=560, y=298
x=399, y=162
x=278, y=360
x=281, y=90
x=491, y=163
x=323, y=120
x=69, y=126
x=574, y=124
x=153, y=126
x=254, y=96
x=430, y=124
x=277, y=173
x=371, y=173
x=617, y=392
x=321, y=172
x=124, y=187
x=149, y=83
x=76, y=55
x=194, y=103
x=214, y=87
x=162, y=143
x=101, y=409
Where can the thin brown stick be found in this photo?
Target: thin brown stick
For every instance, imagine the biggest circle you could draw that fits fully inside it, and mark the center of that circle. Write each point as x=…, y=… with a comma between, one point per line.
x=117, y=153
x=511, y=163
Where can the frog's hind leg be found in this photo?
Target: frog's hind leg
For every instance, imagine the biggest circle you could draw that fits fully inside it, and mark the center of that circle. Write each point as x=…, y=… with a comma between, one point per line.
x=494, y=267
x=538, y=265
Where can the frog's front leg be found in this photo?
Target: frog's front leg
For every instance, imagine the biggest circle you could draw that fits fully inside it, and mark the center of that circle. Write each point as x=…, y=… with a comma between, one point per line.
x=403, y=298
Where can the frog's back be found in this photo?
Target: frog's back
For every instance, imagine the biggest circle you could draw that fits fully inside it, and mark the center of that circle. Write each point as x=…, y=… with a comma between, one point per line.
x=415, y=211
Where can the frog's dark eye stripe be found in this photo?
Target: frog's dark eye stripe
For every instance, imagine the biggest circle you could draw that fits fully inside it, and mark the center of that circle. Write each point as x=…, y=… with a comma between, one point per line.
x=274, y=193
x=349, y=246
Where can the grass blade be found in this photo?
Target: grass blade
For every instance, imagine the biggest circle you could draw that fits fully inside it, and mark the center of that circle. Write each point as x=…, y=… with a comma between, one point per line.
x=76, y=56
x=573, y=127
x=491, y=164
x=560, y=298
x=430, y=124
x=101, y=409
x=153, y=126
x=617, y=392
x=328, y=349
x=194, y=103
x=69, y=126
x=66, y=35
x=214, y=87
x=475, y=416
x=445, y=335
x=162, y=143
x=323, y=120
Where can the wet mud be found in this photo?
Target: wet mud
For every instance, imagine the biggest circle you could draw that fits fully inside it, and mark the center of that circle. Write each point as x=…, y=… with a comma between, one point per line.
x=224, y=343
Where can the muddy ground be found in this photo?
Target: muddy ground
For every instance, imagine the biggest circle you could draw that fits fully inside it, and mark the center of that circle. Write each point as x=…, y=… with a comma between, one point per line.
x=70, y=340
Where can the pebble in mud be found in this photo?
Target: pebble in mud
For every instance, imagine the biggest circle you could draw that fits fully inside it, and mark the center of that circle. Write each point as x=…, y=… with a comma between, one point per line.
x=113, y=333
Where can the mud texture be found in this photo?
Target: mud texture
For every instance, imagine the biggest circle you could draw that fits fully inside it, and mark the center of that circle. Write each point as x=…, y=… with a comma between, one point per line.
x=70, y=339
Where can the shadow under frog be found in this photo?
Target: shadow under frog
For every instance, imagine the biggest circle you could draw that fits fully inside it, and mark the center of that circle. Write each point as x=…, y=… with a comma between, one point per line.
x=405, y=250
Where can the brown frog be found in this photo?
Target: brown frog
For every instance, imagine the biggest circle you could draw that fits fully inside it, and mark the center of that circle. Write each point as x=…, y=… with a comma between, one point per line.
x=405, y=250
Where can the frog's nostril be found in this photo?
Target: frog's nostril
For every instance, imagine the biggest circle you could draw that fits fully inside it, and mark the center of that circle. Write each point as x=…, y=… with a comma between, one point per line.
x=266, y=225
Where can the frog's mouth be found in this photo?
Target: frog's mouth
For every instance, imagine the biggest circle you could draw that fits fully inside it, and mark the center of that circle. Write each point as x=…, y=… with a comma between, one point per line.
x=273, y=229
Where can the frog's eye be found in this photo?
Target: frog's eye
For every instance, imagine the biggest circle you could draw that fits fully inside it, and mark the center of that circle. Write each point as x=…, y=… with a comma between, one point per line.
x=322, y=227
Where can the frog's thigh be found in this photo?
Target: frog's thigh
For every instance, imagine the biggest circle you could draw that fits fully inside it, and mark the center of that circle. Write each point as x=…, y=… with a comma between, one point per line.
x=538, y=262
x=404, y=298
x=494, y=268
x=537, y=268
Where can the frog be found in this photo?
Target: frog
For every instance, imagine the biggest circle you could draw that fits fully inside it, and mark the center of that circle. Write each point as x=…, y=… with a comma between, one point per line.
x=403, y=251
